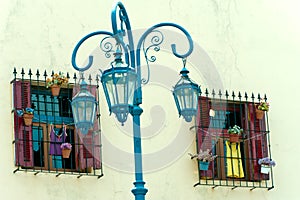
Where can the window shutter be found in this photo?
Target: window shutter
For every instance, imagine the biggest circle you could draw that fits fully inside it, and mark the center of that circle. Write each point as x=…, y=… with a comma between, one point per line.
x=23, y=134
x=203, y=112
x=204, y=139
x=256, y=143
x=88, y=150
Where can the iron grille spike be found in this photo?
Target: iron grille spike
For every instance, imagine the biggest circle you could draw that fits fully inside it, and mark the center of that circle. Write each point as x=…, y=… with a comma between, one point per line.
x=265, y=98
x=37, y=73
x=226, y=94
x=213, y=93
x=30, y=73
x=239, y=95
x=45, y=74
x=258, y=97
x=246, y=96
x=252, y=97
x=206, y=92
x=15, y=73
x=22, y=72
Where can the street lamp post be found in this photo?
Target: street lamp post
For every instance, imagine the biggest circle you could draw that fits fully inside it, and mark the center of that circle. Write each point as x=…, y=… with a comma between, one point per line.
x=122, y=83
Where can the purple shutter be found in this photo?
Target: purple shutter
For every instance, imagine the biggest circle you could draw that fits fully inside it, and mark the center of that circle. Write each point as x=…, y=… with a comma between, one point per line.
x=256, y=143
x=23, y=134
x=88, y=150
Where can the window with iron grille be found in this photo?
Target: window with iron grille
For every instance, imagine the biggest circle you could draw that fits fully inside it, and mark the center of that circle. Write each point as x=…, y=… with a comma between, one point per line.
x=37, y=146
x=236, y=164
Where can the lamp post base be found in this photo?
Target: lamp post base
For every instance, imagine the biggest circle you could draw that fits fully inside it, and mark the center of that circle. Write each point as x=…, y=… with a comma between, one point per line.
x=139, y=191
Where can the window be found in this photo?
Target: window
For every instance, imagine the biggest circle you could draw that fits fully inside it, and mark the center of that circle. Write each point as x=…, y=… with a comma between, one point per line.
x=237, y=163
x=37, y=147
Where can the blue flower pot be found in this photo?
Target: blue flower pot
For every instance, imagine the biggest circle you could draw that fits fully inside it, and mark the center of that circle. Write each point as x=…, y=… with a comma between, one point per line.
x=203, y=165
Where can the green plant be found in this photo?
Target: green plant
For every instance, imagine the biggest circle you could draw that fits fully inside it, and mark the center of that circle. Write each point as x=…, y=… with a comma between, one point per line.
x=56, y=79
x=235, y=130
x=204, y=156
x=27, y=110
x=264, y=106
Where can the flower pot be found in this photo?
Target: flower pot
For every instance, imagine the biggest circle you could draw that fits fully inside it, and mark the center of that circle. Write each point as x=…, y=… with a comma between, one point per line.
x=265, y=169
x=203, y=165
x=55, y=89
x=259, y=114
x=27, y=119
x=66, y=153
x=234, y=138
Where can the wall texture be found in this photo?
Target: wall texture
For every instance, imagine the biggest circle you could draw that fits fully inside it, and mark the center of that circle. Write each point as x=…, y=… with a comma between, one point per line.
x=243, y=46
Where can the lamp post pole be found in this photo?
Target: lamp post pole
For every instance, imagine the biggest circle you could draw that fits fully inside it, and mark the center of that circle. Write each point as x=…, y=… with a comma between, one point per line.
x=122, y=83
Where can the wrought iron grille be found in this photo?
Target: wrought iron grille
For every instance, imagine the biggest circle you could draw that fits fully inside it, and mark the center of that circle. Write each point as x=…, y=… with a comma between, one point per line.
x=38, y=145
x=236, y=164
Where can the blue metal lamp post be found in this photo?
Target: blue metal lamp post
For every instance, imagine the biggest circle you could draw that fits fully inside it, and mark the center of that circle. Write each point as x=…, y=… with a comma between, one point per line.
x=122, y=83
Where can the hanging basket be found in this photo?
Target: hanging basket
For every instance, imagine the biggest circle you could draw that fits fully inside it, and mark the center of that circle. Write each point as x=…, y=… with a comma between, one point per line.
x=265, y=169
x=234, y=138
x=259, y=114
x=203, y=165
x=55, y=89
x=66, y=153
x=27, y=119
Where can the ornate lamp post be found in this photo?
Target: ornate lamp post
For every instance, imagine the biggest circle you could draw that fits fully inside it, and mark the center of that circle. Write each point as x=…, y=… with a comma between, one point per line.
x=122, y=83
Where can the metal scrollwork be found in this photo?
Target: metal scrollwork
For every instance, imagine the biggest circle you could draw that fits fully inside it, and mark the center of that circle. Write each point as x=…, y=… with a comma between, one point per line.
x=155, y=41
x=106, y=46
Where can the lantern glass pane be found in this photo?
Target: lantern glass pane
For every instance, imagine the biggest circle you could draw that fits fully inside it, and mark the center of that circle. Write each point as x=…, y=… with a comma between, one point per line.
x=81, y=111
x=131, y=87
x=89, y=111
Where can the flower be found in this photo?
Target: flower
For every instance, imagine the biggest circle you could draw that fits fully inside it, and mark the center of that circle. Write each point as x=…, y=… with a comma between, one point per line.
x=66, y=146
x=27, y=110
x=56, y=79
x=204, y=156
x=235, y=130
x=264, y=106
x=266, y=161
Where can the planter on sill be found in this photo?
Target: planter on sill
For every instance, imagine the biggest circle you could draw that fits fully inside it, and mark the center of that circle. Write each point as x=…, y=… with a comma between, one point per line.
x=234, y=138
x=203, y=165
x=27, y=119
x=259, y=114
x=265, y=169
x=55, y=89
x=66, y=153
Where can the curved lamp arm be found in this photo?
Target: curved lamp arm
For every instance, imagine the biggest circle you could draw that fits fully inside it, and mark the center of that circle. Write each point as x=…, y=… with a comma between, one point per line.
x=120, y=33
x=90, y=57
x=138, y=97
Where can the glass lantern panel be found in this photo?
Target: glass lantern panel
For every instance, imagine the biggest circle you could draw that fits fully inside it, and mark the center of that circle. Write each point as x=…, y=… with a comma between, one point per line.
x=81, y=110
x=90, y=111
x=131, y=87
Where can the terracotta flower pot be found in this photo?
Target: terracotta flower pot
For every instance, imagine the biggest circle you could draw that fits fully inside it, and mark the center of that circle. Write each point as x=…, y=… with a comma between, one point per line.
x=259, y=114
x=234, y=138
x=55, y=89
x=27, y=119
x=66, y=153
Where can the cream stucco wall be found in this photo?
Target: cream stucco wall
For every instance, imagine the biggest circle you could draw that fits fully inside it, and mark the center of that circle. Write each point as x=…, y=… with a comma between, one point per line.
x=243, y=45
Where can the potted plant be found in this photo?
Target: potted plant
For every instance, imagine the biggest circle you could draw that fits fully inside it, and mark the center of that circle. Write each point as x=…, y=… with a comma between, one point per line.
x=261, y=109
x=204, y=158
x=55, y=82
x=27, y=115
x=266, y=164
x=66, y=149
x=234, y=133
